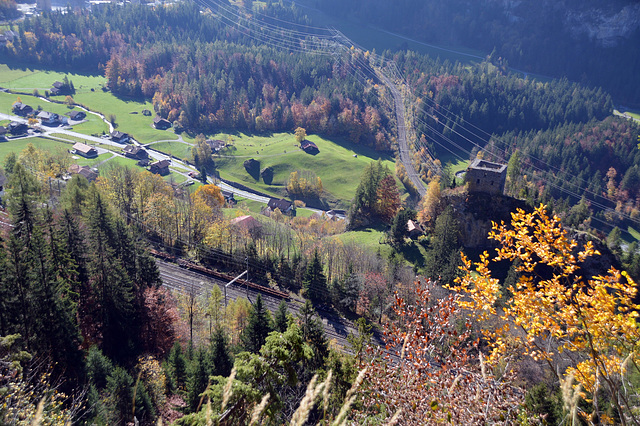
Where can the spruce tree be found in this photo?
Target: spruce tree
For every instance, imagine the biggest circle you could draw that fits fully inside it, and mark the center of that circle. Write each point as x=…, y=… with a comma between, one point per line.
x=258, y=327
x=313, y=333
x=178, y=366
x=314, y=280
x=221, y=361
x=281, y=321
x=198, y=379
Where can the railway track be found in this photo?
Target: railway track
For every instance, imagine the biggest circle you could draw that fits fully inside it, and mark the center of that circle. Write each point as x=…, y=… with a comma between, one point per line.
x=181, y=279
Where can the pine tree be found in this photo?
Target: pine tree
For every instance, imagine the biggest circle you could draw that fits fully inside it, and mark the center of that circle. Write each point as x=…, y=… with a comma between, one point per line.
x=314, y=280
x=258, y=327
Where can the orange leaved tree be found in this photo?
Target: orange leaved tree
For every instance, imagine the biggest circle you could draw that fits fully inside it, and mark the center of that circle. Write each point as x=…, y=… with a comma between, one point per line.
x=431, y=371
x=555, y=313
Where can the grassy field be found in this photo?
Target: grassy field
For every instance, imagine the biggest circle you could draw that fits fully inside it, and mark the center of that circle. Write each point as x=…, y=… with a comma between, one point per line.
x=635, y=234
x=92, y=125
x=41, y=143
x=178, y=149
x=339, y=163
x=29, y=79
x=129, y=118
x=335, y=164
x=93, y=161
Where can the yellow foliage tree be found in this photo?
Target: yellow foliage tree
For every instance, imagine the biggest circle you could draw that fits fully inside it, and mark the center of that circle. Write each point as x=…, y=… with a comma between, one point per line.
x=429, y=203
x=556, y=311
x=211, y=195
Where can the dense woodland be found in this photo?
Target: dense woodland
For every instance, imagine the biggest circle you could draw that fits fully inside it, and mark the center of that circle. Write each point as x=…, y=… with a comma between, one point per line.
x=530, y=35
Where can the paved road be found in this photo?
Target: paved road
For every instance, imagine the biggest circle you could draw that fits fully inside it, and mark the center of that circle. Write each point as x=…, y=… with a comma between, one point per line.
x=405, y=153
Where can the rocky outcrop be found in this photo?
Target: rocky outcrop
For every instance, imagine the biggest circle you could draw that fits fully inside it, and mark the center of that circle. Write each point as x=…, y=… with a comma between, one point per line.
x=476, y=212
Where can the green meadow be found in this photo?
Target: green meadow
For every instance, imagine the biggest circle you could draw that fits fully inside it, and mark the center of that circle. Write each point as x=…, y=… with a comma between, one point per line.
x=338, y=165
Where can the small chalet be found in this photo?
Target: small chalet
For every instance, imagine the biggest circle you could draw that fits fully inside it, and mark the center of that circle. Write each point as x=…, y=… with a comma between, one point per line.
x=49, y=118
x=309, y=147
x=76, y=115
x=119, y=137
x=248, y=223
x=17, y=128
x=414, y=229
x=160, y=123
x=285, y=206
x=216, y=144
x=58, y=88
x=146, y=112
x=22, y=109
x=135, y=152
x=228, y=197
x=85, y=171
x=84, y=150
x=160, y=167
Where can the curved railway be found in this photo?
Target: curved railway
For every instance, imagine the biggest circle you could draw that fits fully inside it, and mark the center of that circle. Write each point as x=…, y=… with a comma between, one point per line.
x=186, y=279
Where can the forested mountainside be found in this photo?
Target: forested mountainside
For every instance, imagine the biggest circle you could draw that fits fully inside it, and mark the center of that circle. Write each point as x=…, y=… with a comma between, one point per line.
x=206, y=75
x=591, y=42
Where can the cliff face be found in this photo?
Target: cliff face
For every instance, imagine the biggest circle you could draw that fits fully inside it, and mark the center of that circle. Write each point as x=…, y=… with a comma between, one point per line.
x=476, y=211
x=605, y=22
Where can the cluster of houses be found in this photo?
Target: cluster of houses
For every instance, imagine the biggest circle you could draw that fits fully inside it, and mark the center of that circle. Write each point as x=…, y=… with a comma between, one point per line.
x=47, y=118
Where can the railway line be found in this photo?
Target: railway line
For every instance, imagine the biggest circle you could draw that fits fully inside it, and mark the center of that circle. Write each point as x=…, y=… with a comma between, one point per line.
x=178, y=278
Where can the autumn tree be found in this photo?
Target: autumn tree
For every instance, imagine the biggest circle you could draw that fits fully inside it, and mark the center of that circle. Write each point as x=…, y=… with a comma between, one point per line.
x=301, y=134
x=430, y=373
x=388, y=196
x=558, y=315
x=430, y=204
x=364, y=207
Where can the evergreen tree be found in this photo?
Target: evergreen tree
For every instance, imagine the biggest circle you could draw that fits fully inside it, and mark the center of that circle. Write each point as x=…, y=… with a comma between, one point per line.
x=198, y=379
x=313, y=333
x=281, y=321
x=220, y=358
x=258, y=327
x=398, y=229
x=364, y=206
x=314, y=280
x=443, y=257
x=177, y=366
x=352, y=287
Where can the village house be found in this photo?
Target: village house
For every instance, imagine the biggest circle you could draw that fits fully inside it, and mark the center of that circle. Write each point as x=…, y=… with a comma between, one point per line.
x=215, y=144
x=160, y=167
x=119, y=137
x=84, y=150
x=228, y=197
x=146, y=112
x=85, y=171
x=76, y=115
x=49, y=118
x=414, y=229
x=485, y=176
x=247, y=223
x=22, y=109
x=135, y=152
x=309, y=147
x=160, y=123
x=283, y=205
x=17, y=128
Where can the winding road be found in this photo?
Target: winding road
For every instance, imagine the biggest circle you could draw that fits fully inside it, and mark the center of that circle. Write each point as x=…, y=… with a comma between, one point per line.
x=403, y=146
